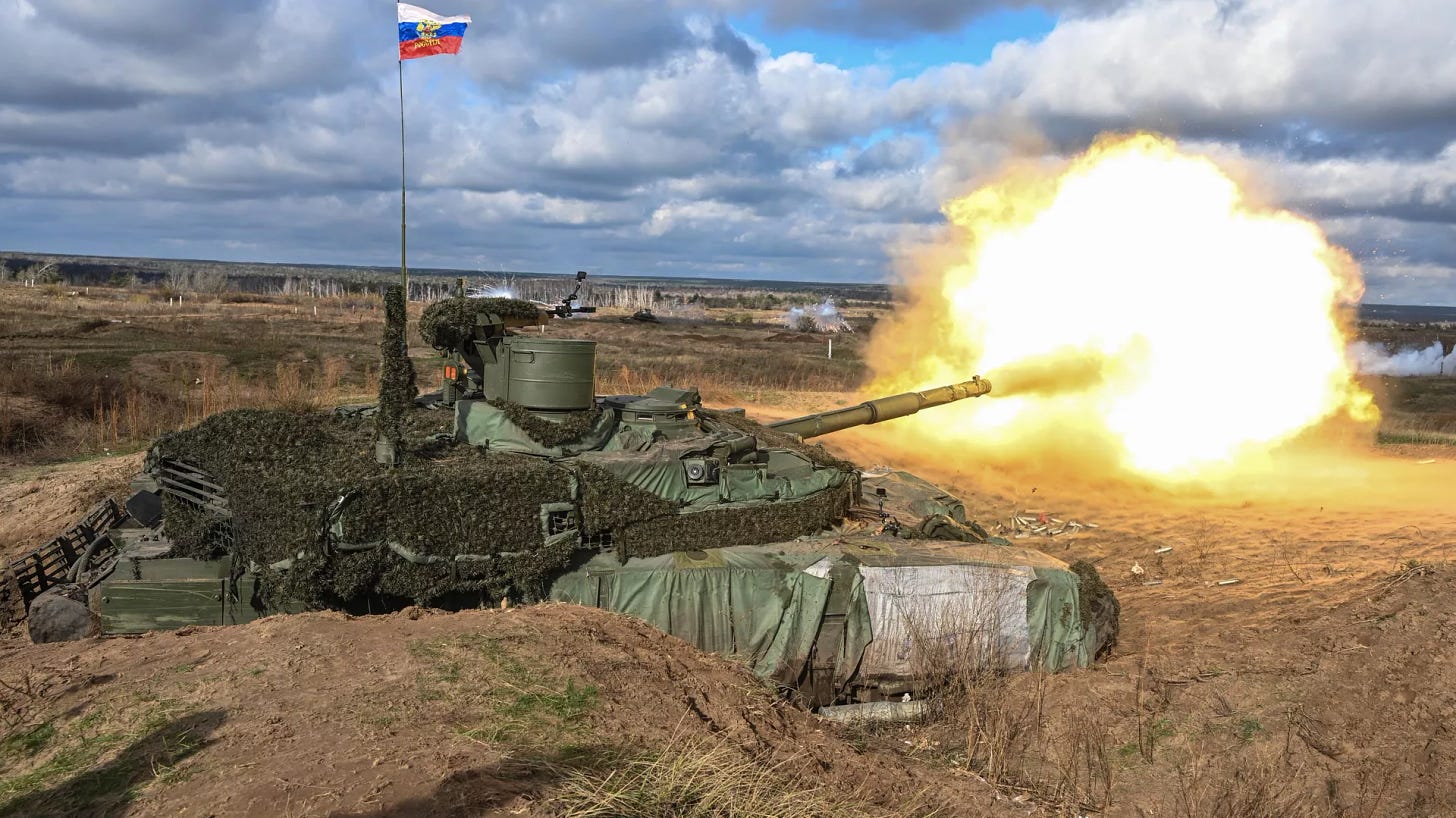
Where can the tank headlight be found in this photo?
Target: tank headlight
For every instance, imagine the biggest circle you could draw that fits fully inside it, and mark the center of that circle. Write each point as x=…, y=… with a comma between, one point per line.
x=701, y=471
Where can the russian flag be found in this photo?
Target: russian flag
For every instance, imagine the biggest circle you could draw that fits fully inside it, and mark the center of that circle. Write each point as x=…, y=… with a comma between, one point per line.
x=422, y=33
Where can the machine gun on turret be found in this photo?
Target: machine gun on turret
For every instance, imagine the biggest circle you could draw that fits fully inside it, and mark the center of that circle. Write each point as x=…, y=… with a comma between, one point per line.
x=568, y=307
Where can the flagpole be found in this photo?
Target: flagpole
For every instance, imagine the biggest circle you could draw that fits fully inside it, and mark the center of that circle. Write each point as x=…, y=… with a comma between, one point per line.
x=403, y=266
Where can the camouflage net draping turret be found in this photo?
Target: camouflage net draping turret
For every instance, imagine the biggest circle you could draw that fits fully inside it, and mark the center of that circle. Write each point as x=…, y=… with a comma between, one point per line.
x=281, y=471
x=572, y=426
x=774, y=521
x=450, y=321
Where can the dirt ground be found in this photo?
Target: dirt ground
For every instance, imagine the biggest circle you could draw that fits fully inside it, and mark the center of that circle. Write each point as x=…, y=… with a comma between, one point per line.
x=1318, y=681
x=417, y=713
x=41, y=502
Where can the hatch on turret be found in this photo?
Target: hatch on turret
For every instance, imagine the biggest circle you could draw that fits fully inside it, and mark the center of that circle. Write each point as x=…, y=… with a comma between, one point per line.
x=666, y=410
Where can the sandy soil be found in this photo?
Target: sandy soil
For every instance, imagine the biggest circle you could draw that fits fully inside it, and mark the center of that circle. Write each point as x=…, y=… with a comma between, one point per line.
x=41, y=502
x=416, y=713
x=1322, y=673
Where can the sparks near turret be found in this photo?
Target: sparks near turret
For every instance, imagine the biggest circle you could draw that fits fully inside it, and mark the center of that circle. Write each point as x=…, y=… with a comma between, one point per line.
x=516, y=480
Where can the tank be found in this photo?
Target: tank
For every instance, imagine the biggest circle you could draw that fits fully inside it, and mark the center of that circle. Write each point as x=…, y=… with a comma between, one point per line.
x=516, y=483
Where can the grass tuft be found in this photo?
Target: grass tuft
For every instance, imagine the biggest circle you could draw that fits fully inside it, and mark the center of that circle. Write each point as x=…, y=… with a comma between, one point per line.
x=501, y=696
x=100, y=761
x=693, y=781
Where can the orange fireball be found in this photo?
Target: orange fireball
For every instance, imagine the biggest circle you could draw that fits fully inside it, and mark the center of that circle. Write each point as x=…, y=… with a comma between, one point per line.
x=1131, y=303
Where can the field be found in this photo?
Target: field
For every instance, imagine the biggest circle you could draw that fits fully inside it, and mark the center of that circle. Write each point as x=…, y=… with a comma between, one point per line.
x=1319, y=683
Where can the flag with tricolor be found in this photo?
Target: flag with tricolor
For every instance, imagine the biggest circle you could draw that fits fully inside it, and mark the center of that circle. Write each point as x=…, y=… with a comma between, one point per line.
x=423, y=33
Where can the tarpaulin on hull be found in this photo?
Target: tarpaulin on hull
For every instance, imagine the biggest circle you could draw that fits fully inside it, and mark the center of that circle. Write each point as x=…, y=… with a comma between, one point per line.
x=757, y=606
x=909, y=605
x=923, y=614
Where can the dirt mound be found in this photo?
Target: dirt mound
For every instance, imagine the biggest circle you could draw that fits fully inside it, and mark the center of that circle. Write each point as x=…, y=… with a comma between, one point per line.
x=41, y=503
x=417, y=713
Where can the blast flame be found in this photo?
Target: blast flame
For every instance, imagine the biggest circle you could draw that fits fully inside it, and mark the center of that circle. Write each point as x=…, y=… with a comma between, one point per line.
x=1131, y=303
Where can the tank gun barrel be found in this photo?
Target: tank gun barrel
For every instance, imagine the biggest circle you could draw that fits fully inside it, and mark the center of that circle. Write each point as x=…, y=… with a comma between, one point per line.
x=888, y=408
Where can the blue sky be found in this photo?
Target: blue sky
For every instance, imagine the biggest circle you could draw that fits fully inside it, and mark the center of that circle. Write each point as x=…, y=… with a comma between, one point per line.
x=795, y=139
x=904, y=56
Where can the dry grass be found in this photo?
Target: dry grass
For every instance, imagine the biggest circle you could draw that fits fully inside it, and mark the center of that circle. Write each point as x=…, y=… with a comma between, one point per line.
x=695, y=780
x=992, y=719
x=111, y=368
x=104, y=369
x=1213, y=782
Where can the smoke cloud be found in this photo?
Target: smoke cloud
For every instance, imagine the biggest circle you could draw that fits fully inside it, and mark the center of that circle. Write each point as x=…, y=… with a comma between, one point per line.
x=823, y=317
x=1374, y=359
x=1052, y=375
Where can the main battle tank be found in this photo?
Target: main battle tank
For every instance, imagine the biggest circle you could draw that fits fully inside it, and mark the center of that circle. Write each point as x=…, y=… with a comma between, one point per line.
x=516, y=482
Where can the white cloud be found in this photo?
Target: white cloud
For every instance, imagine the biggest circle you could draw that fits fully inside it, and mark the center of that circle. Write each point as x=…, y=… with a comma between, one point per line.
x=1202, y=62
x=648, y=135
x=697, y=214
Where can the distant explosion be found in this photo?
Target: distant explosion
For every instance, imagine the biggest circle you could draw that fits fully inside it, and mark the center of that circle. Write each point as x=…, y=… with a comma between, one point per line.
x=822, y=317
x=1131, y=308
x=1373, y=359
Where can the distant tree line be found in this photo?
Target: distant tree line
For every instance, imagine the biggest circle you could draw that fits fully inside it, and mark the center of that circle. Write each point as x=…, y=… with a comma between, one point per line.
x=426, y=284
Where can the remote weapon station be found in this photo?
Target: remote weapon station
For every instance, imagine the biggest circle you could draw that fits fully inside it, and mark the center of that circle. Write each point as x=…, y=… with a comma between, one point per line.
x=516, y=482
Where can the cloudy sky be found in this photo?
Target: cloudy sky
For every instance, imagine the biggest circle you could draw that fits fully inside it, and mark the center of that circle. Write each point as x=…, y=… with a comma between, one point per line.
x=740, y=138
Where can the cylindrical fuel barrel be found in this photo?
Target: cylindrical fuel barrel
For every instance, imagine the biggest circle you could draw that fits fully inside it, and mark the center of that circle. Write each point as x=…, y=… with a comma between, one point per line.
x=874, y=411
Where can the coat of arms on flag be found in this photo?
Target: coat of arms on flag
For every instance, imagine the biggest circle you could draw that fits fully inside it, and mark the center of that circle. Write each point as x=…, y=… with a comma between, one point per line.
x=423, y=33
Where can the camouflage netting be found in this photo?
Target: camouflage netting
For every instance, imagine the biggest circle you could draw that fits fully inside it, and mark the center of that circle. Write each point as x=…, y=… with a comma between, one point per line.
x=546, y=432
x=774, y=439
x=397, y=387
x=198, y=533
x=469, y=503
x=281, y=471
x=448, y=322
x=748, y=525
x=273, y=467
x=610, y=504
x=1099, y=606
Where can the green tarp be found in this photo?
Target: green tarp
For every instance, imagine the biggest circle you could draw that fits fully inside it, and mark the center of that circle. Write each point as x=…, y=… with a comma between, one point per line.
x=759, y=607
x=767, y=605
